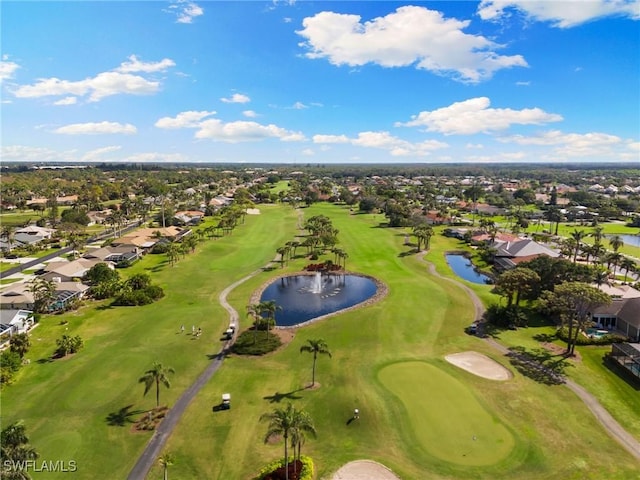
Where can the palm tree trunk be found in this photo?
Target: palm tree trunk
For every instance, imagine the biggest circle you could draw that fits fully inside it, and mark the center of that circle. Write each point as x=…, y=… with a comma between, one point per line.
x=286, y=458
x=313, y=371
x=157, y=392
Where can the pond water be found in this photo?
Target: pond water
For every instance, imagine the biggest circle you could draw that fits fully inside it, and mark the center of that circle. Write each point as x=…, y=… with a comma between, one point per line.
x=463, y=267
x=632, y=240
x=305, y=297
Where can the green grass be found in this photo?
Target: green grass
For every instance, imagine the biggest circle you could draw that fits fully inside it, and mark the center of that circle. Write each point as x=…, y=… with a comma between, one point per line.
x=66, y=403
x=447, y=421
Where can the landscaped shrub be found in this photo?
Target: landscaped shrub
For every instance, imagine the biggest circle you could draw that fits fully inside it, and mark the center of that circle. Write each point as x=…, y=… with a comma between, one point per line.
x=252, y=342
x=563, y=334
x=67, y=345
x=305, y=473
x=10, y=363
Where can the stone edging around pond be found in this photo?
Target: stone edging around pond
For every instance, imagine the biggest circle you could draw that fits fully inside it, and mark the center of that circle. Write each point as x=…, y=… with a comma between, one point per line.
x=381, y=291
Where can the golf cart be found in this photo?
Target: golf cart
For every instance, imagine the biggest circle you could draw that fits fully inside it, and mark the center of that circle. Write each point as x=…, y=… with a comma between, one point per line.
x=226, y=401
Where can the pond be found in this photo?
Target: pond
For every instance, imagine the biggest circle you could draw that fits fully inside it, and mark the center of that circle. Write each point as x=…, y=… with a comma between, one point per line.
x=463, y=267
x=632, y=240
x=305, y=297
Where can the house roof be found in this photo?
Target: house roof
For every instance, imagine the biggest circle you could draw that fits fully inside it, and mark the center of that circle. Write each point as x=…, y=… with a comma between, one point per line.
x=621, y=291
x=630, y=311
x=77, y=268
x=523, y=248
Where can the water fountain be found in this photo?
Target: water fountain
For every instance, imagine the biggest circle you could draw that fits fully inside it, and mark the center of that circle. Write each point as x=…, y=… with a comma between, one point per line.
x=305, y=297
x=316, y=283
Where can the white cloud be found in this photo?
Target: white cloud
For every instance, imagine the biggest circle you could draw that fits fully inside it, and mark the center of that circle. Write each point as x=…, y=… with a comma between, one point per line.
x=231, y=132
x=7, y=68
x=244, y=131
x=474, y=116
x=478, y=146
x=100, y=128
x=104, y=84
x=384, y=141
x=97, y=155
x=299, y=106
x=67, y=101
x=24, y=153
x=189, y=119
x=156, y=157
x=523, y=84
x=185, y=10
x=330, y=139
x=411, y=35
x=562, y=14
x=135, y=65
x=308, y=152
x=236, y=98
x=570, y=144
x=249, y=114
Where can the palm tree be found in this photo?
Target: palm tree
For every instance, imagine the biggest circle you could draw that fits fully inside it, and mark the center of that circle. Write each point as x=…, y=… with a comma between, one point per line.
x=20, y=344
x=302, y=424
x=15, y=452
x=166, y=460
x=269, y=308
x=629, y=266
x=253, y=311
x=316, y=347
x=577, y=235
x=44, y=292
x=283, y=422
x=616, y=242
x=597, y=233
x=158, y=375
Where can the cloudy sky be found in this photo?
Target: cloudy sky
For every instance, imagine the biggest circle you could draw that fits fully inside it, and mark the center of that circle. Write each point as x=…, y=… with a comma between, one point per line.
x=321, y=82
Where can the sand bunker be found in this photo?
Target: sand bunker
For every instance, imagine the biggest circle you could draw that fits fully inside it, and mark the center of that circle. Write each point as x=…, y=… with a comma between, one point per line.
x=364, y=470
x=480, y=365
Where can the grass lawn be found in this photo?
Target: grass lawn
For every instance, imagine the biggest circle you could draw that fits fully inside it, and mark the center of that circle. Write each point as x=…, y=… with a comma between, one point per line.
x=538, y=431
x=420, y=321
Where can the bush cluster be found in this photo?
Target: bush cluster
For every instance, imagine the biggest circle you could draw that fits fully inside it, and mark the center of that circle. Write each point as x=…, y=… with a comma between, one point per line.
x=251, y=342
x=305, y=474
x=144, y=296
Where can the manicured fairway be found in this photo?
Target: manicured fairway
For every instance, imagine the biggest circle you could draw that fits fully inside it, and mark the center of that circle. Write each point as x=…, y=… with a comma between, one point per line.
x=71, y=407
x=444, y=416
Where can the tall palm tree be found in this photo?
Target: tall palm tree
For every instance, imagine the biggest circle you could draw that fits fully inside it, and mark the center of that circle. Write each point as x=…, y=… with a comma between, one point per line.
x=253, y=311
x=166, y=460
x=20, y=344
x=616, y=242
x=284, y=421
x=629, y=266
x=269, y=308
x=302, y=424
x=597, y=233
x=577, y=235
x=316, y=347
x=157, y=375
x=44, y=293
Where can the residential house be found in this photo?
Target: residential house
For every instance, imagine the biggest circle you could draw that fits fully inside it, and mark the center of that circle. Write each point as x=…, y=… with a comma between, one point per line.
x=68, y=271
x=116, y=255
x=14, y=321
x=188, y=217
x=18, y=297
x=509, y=254
x=622, y=314
x=627, y=355
x=146, y=238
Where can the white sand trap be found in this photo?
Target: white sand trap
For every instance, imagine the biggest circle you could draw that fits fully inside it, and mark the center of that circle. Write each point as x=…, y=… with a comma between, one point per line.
x=364, y=470
x=480, y=365
x=253, y=211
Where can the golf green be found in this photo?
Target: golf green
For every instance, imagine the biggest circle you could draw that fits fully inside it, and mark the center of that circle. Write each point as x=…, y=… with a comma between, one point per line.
x=446, y=420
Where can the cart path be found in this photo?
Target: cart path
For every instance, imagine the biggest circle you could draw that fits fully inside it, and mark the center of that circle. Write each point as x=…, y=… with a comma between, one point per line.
x=610, y=424
x=163, y=432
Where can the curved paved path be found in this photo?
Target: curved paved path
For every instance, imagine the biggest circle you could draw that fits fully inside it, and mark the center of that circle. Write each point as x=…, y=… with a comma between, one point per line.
x=161, y=435
x=613, y=428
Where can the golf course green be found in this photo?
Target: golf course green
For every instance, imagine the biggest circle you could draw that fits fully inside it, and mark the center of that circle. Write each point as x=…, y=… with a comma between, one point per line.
x=444, y=416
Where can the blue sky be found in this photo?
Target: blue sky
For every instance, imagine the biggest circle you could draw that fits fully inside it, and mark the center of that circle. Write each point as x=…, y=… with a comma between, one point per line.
x=321, y=82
